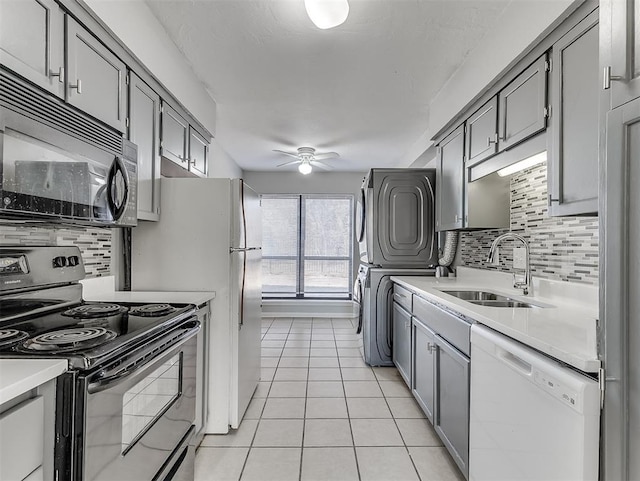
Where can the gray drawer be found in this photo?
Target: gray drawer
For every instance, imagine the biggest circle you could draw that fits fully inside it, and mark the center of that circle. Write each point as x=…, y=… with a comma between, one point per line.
x=403, y=297
x=455, y=330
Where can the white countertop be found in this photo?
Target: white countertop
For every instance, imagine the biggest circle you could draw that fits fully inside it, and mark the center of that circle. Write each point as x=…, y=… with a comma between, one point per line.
x=564, y=329
x=18, y=376
x=102, y=289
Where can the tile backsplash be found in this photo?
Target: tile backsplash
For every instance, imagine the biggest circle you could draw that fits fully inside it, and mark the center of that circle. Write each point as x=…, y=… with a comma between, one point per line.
x=562, y=248
x=94, y=243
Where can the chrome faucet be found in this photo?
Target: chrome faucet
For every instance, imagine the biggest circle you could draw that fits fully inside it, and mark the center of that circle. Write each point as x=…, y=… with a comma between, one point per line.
x=524, y=284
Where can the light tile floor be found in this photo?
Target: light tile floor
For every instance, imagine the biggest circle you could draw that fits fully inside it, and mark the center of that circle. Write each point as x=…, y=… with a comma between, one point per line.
x=320, y=413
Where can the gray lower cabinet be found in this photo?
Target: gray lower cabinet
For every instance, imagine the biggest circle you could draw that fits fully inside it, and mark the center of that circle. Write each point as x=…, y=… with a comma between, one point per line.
x=522, y=105
x=144, y=131
x=32, y=42
x=481, y=133
x=175, y=132
x=620, y=311
x=424, y=367
x=451, y=419
x=401, y=352
x=198, y=153
x=95, y=77
x=450, y=182
x=622, y=41
x=439, y=350
x=575, y=85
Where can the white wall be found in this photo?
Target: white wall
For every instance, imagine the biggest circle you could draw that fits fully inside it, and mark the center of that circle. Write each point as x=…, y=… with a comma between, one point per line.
x=135, y=25
x=521, y=25
x=296, y=183
x=220, y=164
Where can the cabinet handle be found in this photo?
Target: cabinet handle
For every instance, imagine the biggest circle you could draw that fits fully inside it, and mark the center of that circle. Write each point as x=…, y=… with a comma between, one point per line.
x=193, y=161
x=431, y=346
x=407, y=324
x=492, y=141
x=77, y=86
x=608, y=78
x=60, y=74
x=182, y=159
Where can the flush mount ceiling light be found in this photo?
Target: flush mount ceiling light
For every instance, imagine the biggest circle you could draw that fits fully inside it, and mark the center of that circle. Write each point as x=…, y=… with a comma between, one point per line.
x=523, y=164
x=327, y=13
x=305, y=167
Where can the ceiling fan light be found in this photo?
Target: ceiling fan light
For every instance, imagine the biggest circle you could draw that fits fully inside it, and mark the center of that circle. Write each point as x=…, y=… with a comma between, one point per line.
x=305, y=168
x=327, y=13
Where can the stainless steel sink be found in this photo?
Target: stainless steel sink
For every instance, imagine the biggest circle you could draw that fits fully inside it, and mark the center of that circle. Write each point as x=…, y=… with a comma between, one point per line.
x=489, y=299
x=507, y=303
x=476, y=296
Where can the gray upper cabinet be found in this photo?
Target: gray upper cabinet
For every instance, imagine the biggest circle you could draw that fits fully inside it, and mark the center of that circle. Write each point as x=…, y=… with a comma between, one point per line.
x=198, y=153
x=482, y=133
x=401, y=353
x=144, y=130
x=95, y=77
x=175, y=131
x=623, y=75
x=522, y=105
x=450, y=182
x=573, y=161
x=32, y=42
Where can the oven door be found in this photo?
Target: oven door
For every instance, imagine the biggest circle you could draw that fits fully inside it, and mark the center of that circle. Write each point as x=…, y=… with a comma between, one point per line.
x=137, y=416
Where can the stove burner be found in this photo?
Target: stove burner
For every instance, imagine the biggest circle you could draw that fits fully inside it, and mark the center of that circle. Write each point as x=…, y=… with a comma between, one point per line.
x=11, y=336
x=90, y=311
x=152, y=310
x=69, y=339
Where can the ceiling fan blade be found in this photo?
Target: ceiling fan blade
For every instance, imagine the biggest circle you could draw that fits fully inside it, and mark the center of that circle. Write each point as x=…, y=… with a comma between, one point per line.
x=290, y=154
x=289, y=163
x=326, y=155
x=322, y=165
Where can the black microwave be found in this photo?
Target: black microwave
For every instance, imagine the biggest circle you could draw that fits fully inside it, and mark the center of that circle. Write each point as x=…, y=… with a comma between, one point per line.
x=59, y=165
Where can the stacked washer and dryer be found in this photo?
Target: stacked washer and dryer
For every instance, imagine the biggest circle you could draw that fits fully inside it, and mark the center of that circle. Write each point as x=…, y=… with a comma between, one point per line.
x=395, y=228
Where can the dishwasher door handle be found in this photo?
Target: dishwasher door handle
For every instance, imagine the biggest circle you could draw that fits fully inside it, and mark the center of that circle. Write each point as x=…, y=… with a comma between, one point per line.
x=514, y=361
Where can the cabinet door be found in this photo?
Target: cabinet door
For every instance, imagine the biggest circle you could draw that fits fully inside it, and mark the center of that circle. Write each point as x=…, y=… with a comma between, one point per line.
x=423, y=363
x=401, y=352
x=144, y=131
x=522, y=105
x=621, y=307
x=175, y=130
x=625, y=49
x=573, y=163
x=32, y=41
x=451, y=419
x=95, y=77
x=198, y=153
x=482, y=133
x=450, y=182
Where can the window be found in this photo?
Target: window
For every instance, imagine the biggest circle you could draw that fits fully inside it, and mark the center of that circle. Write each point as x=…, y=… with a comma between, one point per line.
x=307, y=247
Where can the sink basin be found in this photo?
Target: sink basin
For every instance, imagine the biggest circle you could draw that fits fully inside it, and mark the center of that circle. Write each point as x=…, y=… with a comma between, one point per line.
x=489, y=299
x=477, y=296
x=507, y=303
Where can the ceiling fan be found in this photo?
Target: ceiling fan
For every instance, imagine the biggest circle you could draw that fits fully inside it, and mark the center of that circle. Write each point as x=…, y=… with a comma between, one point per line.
x=307, y=158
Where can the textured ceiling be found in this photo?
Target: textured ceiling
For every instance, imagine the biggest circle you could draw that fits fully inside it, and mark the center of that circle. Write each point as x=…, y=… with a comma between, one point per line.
x=361, y=89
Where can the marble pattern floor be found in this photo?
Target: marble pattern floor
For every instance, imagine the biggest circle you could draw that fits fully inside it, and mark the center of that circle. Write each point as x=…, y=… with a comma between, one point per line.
x=320, y=413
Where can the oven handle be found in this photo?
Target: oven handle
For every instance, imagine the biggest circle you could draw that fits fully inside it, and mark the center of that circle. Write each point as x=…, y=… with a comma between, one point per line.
x=103, y=379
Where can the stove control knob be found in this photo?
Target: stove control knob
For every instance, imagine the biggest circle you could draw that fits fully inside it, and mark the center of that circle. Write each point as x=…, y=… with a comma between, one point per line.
x=73, y=261
x=59, y=261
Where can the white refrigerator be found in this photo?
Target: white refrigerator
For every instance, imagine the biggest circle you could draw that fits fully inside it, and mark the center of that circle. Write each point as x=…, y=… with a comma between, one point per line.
x=209, y=238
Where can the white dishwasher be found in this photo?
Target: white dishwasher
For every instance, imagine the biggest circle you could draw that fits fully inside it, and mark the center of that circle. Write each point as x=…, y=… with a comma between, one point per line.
x=531, y=418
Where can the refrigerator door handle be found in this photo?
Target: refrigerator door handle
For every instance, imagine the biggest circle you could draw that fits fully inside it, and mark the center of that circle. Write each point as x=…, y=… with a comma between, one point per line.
x=244, y=270
x=244, y=249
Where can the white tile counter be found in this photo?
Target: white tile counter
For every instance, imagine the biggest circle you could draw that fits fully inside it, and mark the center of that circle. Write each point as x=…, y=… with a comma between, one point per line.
x=18, y=376
x=101, y=289
x=564, y=329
